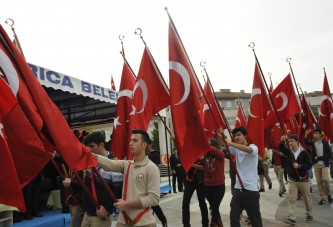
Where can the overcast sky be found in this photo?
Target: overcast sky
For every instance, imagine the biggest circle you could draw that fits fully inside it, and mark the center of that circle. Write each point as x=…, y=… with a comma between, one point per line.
x=80, y=37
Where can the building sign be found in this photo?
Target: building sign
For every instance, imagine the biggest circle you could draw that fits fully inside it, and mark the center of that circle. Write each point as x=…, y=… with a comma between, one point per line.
x=58, y=81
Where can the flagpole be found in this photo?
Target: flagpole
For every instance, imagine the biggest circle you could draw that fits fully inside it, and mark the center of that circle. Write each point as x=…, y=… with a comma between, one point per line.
x=292, y=74
x=11, y=23
x=113, y=197
x=203, y=65
x=201, y=89
x=252, y=45
x=243, y=111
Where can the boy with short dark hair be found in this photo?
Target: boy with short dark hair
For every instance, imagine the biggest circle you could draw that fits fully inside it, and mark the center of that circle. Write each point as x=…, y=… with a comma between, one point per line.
x=299, y=162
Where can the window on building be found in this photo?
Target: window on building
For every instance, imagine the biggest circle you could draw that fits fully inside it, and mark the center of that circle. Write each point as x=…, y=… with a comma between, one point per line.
x=238, y=102
x=229, y=104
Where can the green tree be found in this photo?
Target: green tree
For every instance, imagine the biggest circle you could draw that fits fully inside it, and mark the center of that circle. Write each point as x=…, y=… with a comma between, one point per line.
x=155, y=135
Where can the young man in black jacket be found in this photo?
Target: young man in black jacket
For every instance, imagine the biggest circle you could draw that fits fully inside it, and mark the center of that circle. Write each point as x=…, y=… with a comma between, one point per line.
x=97, y=216
x=321, y=153
x=299, y=162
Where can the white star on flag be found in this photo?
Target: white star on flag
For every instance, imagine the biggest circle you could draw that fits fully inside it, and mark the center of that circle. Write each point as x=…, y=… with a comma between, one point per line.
x=304, y=125
x=116, y=122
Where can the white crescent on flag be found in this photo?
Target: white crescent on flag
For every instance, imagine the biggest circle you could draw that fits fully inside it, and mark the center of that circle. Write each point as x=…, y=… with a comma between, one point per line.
x=284, y=100
x=10, y=72
x=182, y=71
x=255, y=92
x=141, y=83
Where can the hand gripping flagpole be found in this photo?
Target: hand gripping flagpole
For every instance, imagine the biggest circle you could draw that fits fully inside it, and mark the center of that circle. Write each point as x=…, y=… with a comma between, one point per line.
x=11, y=23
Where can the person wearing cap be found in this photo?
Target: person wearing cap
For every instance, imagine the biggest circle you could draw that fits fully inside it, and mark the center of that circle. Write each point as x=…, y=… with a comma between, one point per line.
x=141, y=189
x=321, y=153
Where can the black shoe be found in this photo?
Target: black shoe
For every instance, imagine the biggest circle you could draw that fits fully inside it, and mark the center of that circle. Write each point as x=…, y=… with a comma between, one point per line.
x=270, y=186
x=280, y=194
x=322, y=201
x=290, y=221
x=28, y=217
x=164, y=224
x=308, y=218
x=329, y=198
x=37, y=215
x=262, y=190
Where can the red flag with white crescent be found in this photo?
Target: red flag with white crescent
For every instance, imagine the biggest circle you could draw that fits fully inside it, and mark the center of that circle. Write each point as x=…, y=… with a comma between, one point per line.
x=150, y=93
x=325, y=122
x=121, y=133
x=240, y=118
x=285, y=101
x=259, y=106
x=189, y=134
x=207, y=117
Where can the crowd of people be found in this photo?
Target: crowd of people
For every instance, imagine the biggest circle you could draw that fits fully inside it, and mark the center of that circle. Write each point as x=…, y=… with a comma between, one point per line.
x=136, y=183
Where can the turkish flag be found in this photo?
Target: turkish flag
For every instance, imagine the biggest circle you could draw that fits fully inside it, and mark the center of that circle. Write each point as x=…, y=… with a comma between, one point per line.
x=285, y=101
x=259, y=106
x=26, y=148
x=44, y=115
x=190, y=138
x=113, y=86
x=306, y=121
x=10, y=193
x=121, y=133
x=150, y=93
x=326, y=111
x=240, y=118
x=207, y=117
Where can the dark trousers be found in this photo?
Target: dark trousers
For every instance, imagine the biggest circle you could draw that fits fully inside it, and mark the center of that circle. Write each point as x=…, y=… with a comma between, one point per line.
x=189, y=190
x=248, y=200
x=179, y=177
x=214, y=195
x=32, y=197
x=159, y=213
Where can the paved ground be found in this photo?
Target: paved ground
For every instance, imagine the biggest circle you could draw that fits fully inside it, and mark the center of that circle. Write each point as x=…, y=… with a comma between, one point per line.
x=273, y=208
